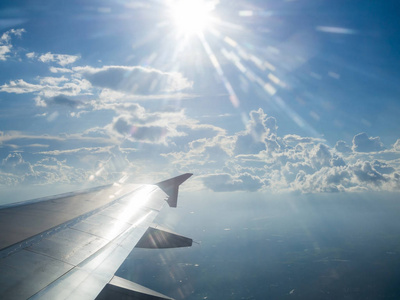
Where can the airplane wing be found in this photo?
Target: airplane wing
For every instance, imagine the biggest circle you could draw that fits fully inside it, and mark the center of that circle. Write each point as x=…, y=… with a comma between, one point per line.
x=69, y=246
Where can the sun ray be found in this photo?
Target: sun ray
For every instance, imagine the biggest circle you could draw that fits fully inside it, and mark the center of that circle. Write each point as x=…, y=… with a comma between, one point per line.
x=232, y=95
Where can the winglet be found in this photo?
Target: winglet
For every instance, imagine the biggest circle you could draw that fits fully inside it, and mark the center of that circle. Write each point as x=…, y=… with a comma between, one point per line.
x=171, y=187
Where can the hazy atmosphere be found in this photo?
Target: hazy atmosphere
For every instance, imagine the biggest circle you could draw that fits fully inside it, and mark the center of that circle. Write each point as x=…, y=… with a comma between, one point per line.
x=285, y=111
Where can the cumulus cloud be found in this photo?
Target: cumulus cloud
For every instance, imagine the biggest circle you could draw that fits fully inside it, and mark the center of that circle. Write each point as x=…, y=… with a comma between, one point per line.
x=363, y=143
x=260, y=134
x=296, y=163
x=306, y=165
x=15, y=164
x=320, y=156
x=325, y=180
x=134, y=80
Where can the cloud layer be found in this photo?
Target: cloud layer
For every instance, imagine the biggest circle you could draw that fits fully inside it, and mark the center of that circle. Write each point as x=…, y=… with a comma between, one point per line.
x=258, y=159
x=104, y=133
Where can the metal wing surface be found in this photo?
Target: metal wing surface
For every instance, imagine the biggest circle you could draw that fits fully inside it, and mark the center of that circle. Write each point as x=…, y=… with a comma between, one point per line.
x=69, y=246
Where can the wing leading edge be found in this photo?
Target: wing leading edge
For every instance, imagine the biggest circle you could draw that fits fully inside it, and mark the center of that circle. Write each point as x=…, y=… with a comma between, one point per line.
x=69, y=247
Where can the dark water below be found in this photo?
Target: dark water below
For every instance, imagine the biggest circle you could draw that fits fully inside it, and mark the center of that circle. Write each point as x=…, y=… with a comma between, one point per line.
x=296, y=247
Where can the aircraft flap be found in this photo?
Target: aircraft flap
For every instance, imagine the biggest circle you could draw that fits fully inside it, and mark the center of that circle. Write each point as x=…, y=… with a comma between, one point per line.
x=120, y=288
x=156, y=238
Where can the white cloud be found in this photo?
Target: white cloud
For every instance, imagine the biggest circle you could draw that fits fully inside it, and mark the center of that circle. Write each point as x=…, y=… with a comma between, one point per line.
x=20, y=87
x=4, y=49
x=134, y=80
x=5, y=42
x=73, y=84
x=6, y=36
x=337, y=30
x=61, y=59
x=320, y=156
x=31, y=55
x=48, y=87
x=260, y=135
x=60, y=70
x=141, y=126
x=40, y=102
x=14, y=163
x=326, y=180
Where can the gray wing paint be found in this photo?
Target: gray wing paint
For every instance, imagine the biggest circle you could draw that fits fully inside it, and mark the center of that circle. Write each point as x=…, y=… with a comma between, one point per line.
x=70, y=246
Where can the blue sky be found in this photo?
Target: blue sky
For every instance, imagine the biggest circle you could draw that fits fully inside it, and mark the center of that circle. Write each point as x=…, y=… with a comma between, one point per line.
x=268, y=96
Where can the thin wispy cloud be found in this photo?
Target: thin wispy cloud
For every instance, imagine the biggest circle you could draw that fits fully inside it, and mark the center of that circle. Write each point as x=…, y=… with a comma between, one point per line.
x=60, y=59
x=6, y=46
x=337, y=30
x=135, y=80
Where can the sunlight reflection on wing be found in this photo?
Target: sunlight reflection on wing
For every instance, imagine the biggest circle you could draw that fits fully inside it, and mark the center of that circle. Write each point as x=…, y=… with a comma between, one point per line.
x=136, y=202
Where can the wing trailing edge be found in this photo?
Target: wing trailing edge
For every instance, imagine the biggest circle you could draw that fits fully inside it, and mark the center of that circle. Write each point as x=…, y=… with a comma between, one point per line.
x=119, y=288
x=171, y=187
x=157, y=238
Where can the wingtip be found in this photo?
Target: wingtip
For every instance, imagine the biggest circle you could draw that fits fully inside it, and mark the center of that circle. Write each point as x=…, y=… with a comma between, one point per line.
x=171, y=187
x=177, y=180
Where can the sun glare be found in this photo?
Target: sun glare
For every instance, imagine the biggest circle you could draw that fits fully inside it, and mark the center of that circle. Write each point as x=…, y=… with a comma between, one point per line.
x=191, y=16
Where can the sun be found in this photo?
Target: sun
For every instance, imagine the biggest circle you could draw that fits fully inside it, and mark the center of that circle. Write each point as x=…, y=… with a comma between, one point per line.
x=191, y=16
